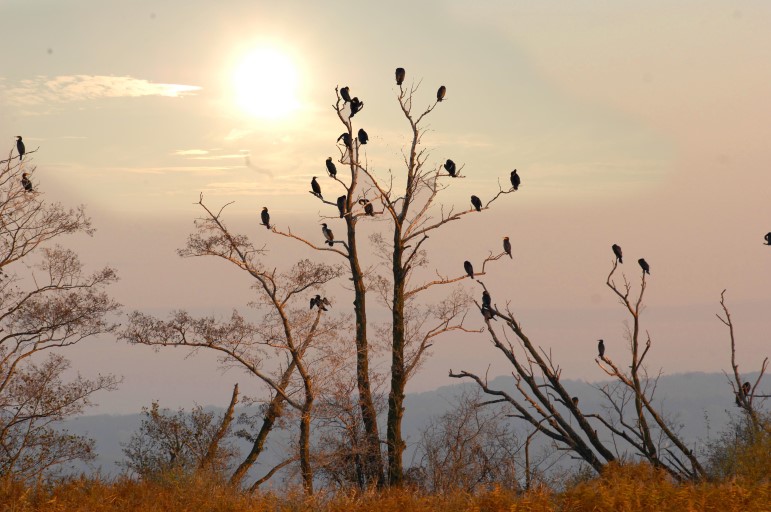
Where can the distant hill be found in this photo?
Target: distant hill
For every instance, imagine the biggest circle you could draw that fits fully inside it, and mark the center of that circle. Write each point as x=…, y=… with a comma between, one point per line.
x=700, y=402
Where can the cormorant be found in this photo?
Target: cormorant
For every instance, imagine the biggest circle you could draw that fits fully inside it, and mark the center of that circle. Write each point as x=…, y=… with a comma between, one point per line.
x=319, y=302
x=514, y=180
x=341, y=205
x=746, y=387
x=331, y=169
x=486, y=300
x=469, y=269
x=26, y=183
x=368, y=208
x=601, y=348
x=327, y=234
x=20, y=147
x=440, y=93
x=644, y=265
x=265, y=216
x=363, y=137
x=346, y=139
x=345, y=94
x=316, y=187
x=356, y=105
x=575, y=401
x=768, y=238
x=488, y=314
x=449, y=166
x=477, y=203
x=507, y=246
x=400, y=76
x=617, y=251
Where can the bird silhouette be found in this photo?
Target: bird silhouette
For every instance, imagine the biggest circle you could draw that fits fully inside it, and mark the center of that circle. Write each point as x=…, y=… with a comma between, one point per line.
x=574, y=400
x=341, y=205
x=644, y=265
x=768, y=238
x=514, y=180
x=356, y=106
x=20, y=147
x=368, y=208
x=319, y=302
x=345, y=94
x=327, y=234
x=346, y=139
x=331, y=169
x=363, y=137
x=486, y=300
x=316, y=187
x=400, y=76
x=449, y=166
x=25, y=182
x=265, y=216
x=601, y=348
x=507, y=246
x=617, y=252
x=469, y=269
x=477, y=203
x=440, y=93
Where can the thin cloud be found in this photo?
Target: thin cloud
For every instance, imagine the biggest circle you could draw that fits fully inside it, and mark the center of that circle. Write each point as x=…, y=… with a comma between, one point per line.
x=71, y=88
x=190, y=152
x=236, y=134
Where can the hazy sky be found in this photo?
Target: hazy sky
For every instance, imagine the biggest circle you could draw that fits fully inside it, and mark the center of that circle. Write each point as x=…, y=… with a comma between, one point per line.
x=642, y=124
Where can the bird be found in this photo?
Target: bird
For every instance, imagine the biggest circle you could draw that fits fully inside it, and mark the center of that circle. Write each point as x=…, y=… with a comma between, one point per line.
x=746, y=388
x=477, y=203
x=487, y=313
x=341, y=205
x=363, y=137
x=368, y=208
x=327, y=234
x=265, y=216
x=449, y=166
x=574, y=400
x=26, y=183
x=345, y=94
x=440, y=93
x=514, y=180
x=601, y=348
x=400, y=76
x=768, y=238
x=319, y=302
x=469, y=269
x=346, y=139
x=316, y=187
x=20, y=147
x=331, y=169
x=644, y=265
x=356, y=105
x=507, y=246
x=617, y=251
x=486, y=300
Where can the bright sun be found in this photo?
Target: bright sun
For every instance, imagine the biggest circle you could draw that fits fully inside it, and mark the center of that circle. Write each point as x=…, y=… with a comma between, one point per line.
x=266, y=83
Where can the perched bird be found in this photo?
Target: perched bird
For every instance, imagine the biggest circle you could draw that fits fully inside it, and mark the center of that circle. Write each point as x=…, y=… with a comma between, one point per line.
x=488, y=314
x=440, y=93
x=469, y=269
x=331, y=169
x=25, y=182
x=316, y=187
x=574, y=400
x=768, y=238
x=601, y=348
x=346, y=139
x=507, y=246
x=486, y=300
x=746, y=387
x=363, y=137
x=477, y=203
x=644, y=265
x=265, y=216
x=400, y=76
x=356, y=105
x=327, y=234
x=341, y=205
x=617, y=252
x=368, y=208
x=20, y=147
x=449, y=166
x=345, y=94
x=320, y=302
x=514, y=180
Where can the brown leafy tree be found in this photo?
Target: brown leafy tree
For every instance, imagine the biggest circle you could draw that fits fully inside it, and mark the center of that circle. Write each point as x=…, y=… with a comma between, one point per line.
x=47, y=301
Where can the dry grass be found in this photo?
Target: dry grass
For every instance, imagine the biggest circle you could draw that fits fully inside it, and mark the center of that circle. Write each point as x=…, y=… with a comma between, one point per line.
x=635, y=488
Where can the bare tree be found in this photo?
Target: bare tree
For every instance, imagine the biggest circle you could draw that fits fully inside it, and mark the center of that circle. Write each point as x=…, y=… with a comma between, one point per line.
x=52, y=303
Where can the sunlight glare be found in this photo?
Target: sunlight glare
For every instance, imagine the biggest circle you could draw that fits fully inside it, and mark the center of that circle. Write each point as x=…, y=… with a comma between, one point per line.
x=266, y=83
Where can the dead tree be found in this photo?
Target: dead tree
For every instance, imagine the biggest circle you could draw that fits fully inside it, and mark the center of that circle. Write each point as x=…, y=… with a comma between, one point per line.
x=286, y=332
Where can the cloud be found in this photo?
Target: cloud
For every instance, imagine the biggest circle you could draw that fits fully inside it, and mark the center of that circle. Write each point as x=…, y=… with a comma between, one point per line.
x=237, y=133
x=190, y=152
x=70, y=88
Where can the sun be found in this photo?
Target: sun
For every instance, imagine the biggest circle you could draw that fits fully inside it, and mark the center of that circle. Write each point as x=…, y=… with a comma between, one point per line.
x=266, y=84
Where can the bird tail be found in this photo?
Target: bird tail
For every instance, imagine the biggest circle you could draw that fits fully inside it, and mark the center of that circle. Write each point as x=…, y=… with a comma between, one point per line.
x=510, y=256
x=620, y=260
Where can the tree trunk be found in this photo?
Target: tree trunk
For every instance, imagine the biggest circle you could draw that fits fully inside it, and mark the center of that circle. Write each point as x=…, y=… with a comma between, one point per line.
x=305, y=450
x=398, y=374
